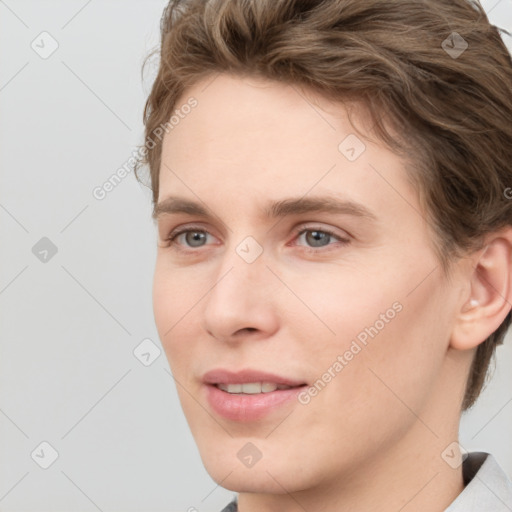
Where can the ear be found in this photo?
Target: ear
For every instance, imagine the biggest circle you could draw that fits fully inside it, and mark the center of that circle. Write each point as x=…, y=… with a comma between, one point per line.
x=489, y=299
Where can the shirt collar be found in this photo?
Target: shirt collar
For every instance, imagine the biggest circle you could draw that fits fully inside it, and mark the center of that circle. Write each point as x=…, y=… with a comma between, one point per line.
x=487, y=487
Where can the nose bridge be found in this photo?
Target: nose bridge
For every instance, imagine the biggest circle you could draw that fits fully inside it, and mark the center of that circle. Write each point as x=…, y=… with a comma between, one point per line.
x=239, y=297
x=241, y=272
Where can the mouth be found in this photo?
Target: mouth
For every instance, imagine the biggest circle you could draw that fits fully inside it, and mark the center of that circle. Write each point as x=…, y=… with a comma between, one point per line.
x=253, y=381
x=253, y=388
x=249, y=396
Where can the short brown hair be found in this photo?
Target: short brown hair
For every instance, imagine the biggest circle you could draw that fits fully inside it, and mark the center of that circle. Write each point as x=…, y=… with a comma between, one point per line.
x=451, y=111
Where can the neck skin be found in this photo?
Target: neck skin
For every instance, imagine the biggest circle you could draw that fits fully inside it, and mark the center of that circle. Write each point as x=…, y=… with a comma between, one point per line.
x=409, y=476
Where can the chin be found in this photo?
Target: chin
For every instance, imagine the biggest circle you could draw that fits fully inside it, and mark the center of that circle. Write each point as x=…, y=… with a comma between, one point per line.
x=253, y=480
x=271, y=474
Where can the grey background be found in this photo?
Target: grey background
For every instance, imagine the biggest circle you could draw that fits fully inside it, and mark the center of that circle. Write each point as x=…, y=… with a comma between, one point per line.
x=69, y=326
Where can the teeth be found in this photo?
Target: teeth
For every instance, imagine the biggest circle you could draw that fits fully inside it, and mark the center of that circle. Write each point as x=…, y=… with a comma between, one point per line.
x=232, y=388
x=252, y=388
x=266, y=387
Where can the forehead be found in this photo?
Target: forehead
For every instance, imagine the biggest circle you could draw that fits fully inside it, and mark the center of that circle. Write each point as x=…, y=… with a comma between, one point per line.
x=253, y=136
x=241, y=118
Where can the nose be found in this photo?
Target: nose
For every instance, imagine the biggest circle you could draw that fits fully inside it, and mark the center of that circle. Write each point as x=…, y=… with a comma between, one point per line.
x=242, y=299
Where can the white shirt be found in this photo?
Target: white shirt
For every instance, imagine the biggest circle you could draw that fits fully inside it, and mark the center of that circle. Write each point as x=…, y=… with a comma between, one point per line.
x=487, y=487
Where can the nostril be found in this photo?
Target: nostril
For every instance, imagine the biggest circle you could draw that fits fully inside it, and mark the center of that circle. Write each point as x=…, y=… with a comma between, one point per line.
x=245, y=330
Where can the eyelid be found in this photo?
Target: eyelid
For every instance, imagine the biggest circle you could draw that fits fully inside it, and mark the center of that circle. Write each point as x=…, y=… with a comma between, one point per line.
x=341, y=240
x=317, y=227
x=184, y=229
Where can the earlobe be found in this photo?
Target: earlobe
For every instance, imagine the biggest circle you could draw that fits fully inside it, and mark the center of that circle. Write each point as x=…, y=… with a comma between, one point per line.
x=490, y=293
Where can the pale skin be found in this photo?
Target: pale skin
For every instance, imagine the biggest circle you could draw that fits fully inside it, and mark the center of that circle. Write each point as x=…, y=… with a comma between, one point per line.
x=373, y=438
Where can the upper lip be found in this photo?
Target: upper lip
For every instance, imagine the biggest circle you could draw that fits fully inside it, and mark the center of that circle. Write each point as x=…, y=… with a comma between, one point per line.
x=222, y=376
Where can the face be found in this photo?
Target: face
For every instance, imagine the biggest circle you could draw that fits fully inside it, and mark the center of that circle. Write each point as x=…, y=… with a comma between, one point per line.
x=311, y=261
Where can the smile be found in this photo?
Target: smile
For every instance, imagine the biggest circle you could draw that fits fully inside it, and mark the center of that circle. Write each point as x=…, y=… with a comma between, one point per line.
x=252, y=388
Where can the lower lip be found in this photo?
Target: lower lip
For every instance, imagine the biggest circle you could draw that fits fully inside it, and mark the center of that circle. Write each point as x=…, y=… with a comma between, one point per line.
x=246, y=408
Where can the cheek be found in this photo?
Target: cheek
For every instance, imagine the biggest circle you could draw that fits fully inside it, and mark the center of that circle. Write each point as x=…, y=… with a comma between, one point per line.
x=171, y=301
x=337, y=305
x=390, y=332
x=162, y=301
x=399, y=361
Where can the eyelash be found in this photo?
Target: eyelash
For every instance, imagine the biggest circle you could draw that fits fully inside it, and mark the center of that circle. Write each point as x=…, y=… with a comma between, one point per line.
x=174, y=234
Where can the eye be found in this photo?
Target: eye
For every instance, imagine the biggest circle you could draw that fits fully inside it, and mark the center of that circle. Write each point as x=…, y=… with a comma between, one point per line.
x=318, y=237
x=193, y=237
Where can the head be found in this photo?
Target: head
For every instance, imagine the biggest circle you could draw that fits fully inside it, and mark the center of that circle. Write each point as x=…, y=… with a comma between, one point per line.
x=399, y=296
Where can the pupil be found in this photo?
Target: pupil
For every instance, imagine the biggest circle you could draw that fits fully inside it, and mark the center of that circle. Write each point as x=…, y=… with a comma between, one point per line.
x=195, y=236
x=317, y=236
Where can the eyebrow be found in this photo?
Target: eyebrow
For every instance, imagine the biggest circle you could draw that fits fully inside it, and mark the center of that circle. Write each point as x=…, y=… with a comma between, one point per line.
x=272, y=210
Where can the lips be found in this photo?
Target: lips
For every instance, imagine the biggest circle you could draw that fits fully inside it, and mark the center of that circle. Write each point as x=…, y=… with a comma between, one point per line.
x=226, y=377
x=249, y=395
x=252, y=388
